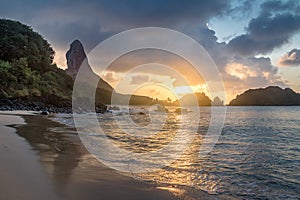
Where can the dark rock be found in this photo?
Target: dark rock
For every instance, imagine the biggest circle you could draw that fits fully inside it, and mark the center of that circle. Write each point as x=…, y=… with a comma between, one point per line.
x=270, y=96
x=44, y=112
x=77, y=58
x=6, y=102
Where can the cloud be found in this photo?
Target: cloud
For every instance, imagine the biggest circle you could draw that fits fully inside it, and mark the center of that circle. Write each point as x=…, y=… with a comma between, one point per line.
x=252, y=68
x=161, y=13
x=139, y=79
x=276, y=24
x=92, y=21
x=243, y=6
x=163, y=63
x=276, y=5
x=110, y=77
x=89, y=34
x=240, y=71
x=243, y=73
x=291, y=58
x=128, y=13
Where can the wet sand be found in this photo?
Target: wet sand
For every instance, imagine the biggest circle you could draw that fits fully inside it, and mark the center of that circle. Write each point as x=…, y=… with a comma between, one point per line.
x=42, y=159
x=21, y=174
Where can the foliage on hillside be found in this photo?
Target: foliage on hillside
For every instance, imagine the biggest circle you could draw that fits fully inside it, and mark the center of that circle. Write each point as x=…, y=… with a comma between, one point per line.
x=20, y=41
x=18, y=80
x=26, y=67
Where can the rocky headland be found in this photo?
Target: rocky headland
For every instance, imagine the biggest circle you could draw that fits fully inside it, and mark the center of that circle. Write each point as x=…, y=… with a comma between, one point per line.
x=270, y=96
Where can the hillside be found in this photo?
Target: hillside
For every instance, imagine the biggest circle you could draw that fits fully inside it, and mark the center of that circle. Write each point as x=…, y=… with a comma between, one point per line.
x=26, y=67
x=270, y=96
x=29, y=80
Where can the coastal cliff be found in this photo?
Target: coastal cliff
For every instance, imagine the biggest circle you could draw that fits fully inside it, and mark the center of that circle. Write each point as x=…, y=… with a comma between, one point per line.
x=270, y=96
x=76, y=57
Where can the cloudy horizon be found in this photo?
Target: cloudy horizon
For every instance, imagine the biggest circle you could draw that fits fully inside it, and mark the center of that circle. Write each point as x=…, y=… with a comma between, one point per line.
x=253, y=43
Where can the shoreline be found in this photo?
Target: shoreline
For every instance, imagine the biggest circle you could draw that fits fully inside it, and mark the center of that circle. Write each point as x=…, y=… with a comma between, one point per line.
x=54, y=155
x=20, y=169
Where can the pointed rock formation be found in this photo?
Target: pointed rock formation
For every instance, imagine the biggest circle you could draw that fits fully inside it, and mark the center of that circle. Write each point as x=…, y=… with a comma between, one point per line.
x=76, y=58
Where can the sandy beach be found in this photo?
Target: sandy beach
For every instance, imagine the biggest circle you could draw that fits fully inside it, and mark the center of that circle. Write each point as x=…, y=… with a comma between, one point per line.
x=42, y=159
x=22, y=176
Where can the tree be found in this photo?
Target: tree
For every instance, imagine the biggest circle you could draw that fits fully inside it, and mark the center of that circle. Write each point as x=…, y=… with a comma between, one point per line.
x=20, y=41
x=26, y=64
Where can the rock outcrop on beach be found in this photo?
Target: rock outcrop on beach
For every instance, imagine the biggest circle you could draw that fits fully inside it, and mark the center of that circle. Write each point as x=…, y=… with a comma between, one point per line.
x=270, y=96
x=51, y=103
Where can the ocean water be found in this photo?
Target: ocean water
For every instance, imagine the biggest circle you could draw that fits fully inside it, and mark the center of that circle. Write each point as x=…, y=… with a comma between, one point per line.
x=256, y=157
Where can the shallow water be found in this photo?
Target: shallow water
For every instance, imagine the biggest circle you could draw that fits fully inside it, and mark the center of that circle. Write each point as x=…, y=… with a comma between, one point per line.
x=256, y=157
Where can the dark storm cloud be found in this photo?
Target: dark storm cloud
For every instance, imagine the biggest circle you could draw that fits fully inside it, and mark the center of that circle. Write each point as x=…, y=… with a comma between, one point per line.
x=89, y=35
x=275, y=6
x=94, y=20
x=162, y=13
x=244, y=6
x=274, y=27
x=291, y=58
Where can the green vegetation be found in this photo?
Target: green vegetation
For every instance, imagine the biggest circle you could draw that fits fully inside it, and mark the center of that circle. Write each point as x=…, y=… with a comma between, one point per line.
x=20, y=41
x=26, y=67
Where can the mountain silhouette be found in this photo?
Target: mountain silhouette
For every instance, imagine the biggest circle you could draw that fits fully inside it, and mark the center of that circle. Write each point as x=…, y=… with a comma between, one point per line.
x=78, y=60
x=270, y=96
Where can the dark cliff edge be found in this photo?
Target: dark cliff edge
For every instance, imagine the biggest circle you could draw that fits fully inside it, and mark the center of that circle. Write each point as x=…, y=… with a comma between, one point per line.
x=270, y=96
x=77, y=58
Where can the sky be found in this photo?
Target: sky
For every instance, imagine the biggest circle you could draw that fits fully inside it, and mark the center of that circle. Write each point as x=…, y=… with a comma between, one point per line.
x=254, y=43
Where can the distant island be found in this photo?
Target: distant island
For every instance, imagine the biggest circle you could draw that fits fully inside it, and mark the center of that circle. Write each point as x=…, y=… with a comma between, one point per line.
x=270, y=96
x=201, y=100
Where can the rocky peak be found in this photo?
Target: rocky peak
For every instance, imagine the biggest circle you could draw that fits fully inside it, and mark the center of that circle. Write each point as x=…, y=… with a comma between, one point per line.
x=75, y=57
